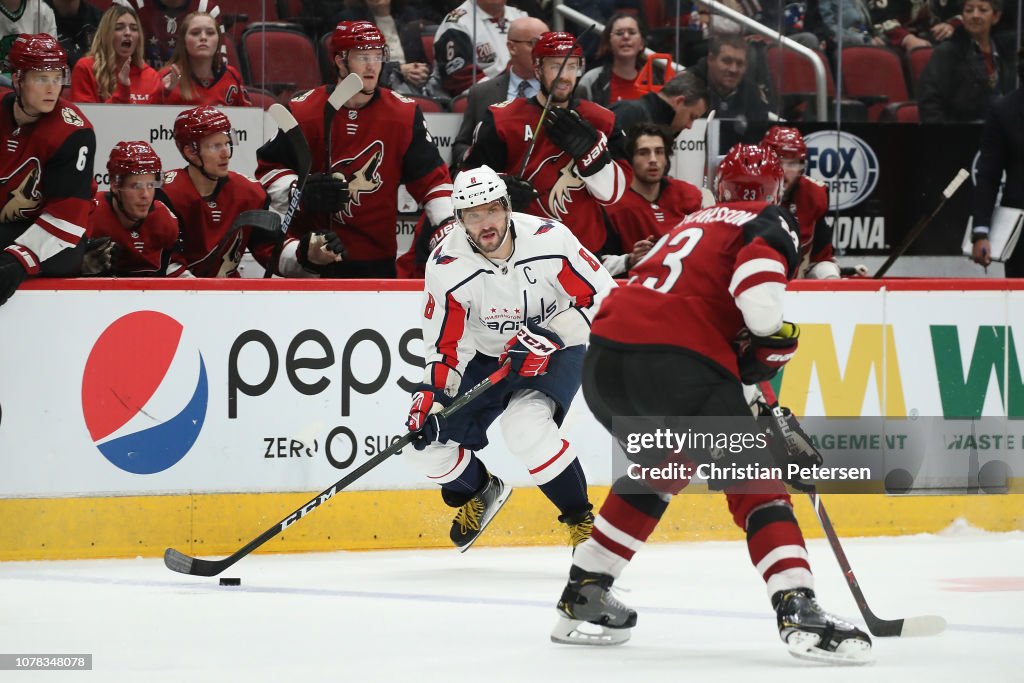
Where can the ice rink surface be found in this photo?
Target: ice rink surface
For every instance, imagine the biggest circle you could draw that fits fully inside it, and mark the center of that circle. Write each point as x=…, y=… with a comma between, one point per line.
x=485, y=616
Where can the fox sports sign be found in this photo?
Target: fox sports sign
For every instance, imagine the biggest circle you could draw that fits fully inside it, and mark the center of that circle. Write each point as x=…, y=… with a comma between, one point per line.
x=845, y=164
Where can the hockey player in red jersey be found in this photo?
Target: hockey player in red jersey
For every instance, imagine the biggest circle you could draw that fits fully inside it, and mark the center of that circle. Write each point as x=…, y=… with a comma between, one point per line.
x=717, y=277
x=45, y=169
x=141, y=233
x=807, y=199
x=504, y=285
x=655, y=202
x=376, y=141
x=207, y=196
x=571, y=168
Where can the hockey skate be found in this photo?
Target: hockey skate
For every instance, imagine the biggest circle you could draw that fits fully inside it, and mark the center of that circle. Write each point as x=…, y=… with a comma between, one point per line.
x=812, y=633
x=587, y=599
x=581, y=526
x=474, y=516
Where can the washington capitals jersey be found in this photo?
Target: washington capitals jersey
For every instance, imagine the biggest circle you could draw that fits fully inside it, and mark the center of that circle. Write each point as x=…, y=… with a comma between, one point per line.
x=46, y=183
x=808, y=202
x=210, y=247
x=473, y=304
x=721, y=269
x=376, y=148
x=634, y=218
x=501, y=141
x=147, y=248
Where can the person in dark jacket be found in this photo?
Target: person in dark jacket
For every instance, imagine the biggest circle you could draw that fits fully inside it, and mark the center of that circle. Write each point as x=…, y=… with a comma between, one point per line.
x=77, y=21
x=682, y=100
x=969, y=71
x=733, y=91
x=1001, y=150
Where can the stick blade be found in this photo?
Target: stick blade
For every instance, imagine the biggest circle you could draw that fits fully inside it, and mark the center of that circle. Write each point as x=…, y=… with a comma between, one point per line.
x=193, y=566
x=282, y=117
x=928, y=625
x=350, y=86
x=178, y=562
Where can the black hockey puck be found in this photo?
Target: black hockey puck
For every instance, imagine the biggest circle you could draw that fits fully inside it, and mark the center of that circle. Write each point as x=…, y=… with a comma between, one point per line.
x=231, y=582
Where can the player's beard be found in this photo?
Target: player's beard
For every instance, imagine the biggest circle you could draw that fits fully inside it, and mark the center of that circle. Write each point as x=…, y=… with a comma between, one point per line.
x=556, y=100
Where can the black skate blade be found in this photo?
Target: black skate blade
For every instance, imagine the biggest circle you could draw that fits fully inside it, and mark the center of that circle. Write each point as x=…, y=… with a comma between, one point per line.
x=498, y=504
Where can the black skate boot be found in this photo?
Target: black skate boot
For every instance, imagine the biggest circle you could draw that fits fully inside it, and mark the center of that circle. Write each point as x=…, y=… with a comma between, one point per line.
x=581, y=526
x=474, y=516
x=587, y=598
x=812, y=633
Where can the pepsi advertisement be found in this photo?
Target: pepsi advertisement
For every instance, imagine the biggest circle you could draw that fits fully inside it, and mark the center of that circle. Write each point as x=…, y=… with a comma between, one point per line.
x=884, y=178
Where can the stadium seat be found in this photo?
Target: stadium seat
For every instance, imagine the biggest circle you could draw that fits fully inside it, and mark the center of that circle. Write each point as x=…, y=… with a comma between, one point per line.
x=653, y=13
x=228, y=48
x=793, y=79
x=459, y=104
x=328, y=72
x=277, y=57
x=916, y=60
x=427, y=105
x=261, y=98
x=427, y=38
x=873, y=75
x=902, y=112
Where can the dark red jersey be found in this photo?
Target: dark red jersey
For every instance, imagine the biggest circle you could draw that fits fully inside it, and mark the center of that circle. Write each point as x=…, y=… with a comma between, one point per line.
x=501, y=141
x=159, y=24
x=226, y=89
x=808, y=202
x=634, y=218
x=147, y=248
x=209, y=246
x=376, y=148
x=720, y=270
x=46, y=184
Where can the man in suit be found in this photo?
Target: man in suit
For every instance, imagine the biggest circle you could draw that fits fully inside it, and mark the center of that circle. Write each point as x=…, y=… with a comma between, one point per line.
x=519, y=80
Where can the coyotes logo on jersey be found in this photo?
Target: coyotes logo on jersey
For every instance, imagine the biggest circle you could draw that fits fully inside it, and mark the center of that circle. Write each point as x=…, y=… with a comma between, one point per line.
x=22, y=189
x=567, y=181
x=362, y=172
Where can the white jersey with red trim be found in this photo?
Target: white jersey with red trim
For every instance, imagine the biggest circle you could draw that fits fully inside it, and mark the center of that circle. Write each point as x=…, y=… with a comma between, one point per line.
x=475, y=305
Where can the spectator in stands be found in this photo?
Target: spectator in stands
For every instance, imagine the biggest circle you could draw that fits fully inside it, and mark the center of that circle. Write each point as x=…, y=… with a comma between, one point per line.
x=22, y=16
x=460, y=62
x=854, y=17
x=1002, y=151
x=114, y=69
x=902, y=22
x=621, y=52
x=77, y=21
x=205, y=75
x=969, y=71
x=160, y=21
x=519, y=80
x=682, y=100
x=655, y=202
x=945, y=17
x=407, y=71
x=734, y=94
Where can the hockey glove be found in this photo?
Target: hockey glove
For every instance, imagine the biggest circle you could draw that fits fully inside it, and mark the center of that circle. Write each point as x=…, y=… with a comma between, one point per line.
x=99, y=257
x=578, y=138
x=316, y=249
x=447, y=225
x=11, y=276
x=325, y=193
x=521, y=192
x=531, y=349
x=789, y=445
x=761, y=358
x=425, y=420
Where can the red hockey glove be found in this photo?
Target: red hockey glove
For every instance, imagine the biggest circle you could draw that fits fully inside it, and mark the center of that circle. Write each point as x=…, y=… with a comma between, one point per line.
x=761, y=358
x=447, y=225
x=425, y=418
x=578, y=137
x=531, y=349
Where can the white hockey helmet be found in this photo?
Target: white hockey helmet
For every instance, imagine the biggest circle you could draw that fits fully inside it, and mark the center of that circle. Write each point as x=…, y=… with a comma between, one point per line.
x=476, y=187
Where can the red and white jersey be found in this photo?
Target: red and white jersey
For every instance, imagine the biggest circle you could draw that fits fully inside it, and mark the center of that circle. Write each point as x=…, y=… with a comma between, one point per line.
x=455, y=48
x=209, y=247
x=634, y=218
x=808, y=202
x=159, y=24
x=501, y=141
x=226, y=89
x=722, y=269
x=473, y=304
x=376, y=148
x=147, y=248
x=46, y=183
x=144, y=86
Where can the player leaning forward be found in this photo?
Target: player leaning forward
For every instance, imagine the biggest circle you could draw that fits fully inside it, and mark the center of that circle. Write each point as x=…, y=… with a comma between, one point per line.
x=506, y=285
x=663, y=345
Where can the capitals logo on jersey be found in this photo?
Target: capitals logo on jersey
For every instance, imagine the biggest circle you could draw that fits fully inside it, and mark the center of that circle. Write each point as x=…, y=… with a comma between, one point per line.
x=362, y=172
x=555, y=205
x=23, y=196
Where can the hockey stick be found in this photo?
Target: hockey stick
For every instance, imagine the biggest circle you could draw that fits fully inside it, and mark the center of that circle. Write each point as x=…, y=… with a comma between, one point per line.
x=927, y=625
x=186, y=564
x=548, y=101
x=342, y=93
x=707, y=149
x=916, y=231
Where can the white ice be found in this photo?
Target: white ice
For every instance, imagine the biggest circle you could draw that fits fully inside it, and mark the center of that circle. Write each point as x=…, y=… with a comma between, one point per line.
x=436, y=615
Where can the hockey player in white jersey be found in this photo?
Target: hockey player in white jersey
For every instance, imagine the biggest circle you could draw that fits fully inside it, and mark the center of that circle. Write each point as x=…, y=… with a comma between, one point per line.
x=506, y=287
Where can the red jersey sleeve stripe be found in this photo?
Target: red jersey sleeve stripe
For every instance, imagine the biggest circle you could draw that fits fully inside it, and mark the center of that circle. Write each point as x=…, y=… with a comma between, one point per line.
x=760, y=267
x=759, y=279
x=452, y=328
x=575, y=285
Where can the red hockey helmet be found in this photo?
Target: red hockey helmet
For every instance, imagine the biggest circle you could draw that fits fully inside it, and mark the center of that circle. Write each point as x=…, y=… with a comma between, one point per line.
x=36, y=52
x=786, y=142
x=749, y=173
x=192, y=125
x=556, y=44
x=132, y=158
x=357, y=35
